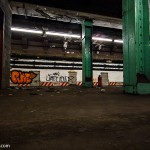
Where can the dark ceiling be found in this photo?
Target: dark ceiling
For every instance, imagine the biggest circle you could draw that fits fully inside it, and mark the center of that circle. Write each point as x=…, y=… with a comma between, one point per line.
x=32, y=46
x=111, y=8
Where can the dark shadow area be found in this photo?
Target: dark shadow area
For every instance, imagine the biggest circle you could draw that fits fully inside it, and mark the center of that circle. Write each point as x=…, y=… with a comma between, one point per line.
x=142, y=78
x=107, y=8
x=1, y=42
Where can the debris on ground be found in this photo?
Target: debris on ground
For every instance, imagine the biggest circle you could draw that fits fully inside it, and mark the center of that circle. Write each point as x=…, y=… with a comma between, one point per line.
x=22, y=100
x=103, y=90
x=82, y=129
x=32, y=111
x=33, y=93
x=28, y=89
x=52, y=90
x=74, y=120
x=17, y=88
x=12, y=87
x=39, y=88
x=65, y=89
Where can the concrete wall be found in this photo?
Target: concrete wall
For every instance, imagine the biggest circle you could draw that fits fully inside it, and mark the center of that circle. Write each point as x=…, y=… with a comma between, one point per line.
x=113, y=76
x=4, y=5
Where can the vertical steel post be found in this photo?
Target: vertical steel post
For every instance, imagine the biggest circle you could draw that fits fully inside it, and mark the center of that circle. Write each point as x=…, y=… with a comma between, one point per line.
x=1, y=45
x=5, y=27
x=146, y=42
x=136, y=46
x=87, y=73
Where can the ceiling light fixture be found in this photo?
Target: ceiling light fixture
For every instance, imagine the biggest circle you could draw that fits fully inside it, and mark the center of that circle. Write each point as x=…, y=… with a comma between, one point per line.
x=102, y=39
x=118, y=41
x=63, y=34
x=26, y=30
x=17, y=29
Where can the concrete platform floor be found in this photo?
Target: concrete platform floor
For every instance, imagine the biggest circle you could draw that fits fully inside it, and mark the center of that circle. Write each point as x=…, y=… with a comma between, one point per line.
x=74, y=118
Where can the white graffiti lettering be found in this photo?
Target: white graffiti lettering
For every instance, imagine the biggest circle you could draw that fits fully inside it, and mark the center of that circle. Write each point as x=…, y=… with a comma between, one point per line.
x=55, y=77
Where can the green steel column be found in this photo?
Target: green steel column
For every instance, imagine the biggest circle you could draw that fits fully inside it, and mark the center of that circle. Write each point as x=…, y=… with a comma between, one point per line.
x=129, y=50
x=136, y=49
x=146, y=41
x=87, y=73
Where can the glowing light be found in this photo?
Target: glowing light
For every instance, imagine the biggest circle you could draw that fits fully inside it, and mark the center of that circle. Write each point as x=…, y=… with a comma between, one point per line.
x=102, y=39
x=26, y=30
x=118, y=41
x=63, y=34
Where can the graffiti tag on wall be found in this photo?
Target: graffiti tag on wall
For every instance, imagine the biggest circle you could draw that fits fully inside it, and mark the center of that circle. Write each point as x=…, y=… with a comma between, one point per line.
x=56, y=77
x=20, y=77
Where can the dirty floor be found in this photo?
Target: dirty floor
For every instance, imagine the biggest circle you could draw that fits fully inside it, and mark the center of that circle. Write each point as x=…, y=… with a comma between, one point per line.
x=74, y=118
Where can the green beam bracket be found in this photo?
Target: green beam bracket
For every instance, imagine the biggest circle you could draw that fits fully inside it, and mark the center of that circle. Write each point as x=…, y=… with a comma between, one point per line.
x=87, y=73
x=136, y=51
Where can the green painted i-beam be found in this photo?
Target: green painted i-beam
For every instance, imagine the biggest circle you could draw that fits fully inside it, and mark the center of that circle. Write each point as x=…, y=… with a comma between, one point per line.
x=87, y=73
x=136, y=50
